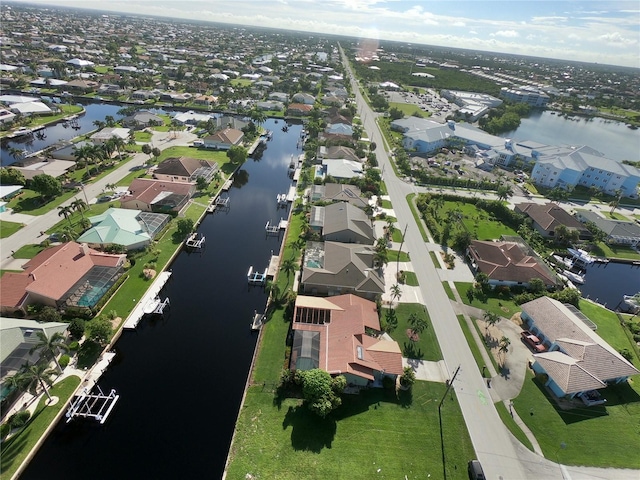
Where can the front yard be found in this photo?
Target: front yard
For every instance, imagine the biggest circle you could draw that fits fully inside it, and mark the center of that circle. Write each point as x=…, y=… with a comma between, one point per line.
x=372, y=435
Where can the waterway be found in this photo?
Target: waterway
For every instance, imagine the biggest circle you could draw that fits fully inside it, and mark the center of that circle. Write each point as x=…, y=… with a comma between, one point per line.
x=606, y=283
x=614, y=139
x=181, y=378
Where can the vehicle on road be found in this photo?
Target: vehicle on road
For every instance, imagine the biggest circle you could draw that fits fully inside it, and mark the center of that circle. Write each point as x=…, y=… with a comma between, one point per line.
x=475, y=471
x=532, y=341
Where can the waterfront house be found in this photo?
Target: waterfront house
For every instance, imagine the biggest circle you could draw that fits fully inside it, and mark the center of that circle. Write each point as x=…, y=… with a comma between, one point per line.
x=618, y=232
x=510, y=262
x=185, y=169
x=546, y=218
x=342, y=222
x=341, y=335
x=32, y=166
x=342, y=169
x=333, y=268
x=338, y=192
x=157, y=196
x=577, y=359
x=142, y=119
x=224, y=139
x=299, y=109
x=304, y=98
x=69, y=274
x=133, y=229
x=337, y=152
x=108, y=133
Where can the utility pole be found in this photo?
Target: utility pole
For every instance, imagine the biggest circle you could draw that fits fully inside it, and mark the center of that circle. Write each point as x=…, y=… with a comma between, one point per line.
x=449, y=384
x=398, y=261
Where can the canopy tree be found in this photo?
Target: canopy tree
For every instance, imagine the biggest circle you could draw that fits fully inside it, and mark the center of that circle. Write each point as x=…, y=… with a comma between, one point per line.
x=46, y=185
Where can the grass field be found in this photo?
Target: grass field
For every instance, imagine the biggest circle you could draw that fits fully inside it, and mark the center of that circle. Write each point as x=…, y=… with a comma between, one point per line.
x=142, y=136
x=15, y=450
x=427, y=348
x=28, y=251
x=500, y=306
x=411, y=279
x=434, y=259
x=477, y=221
x=372, y=435
x=448, y=290
x=9, y=228
x=408, y=109
x=614, y=251
x=393, y=256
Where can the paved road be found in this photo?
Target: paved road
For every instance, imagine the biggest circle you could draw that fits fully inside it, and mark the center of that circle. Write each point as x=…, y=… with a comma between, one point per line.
x=30, y=233
x=500, y=453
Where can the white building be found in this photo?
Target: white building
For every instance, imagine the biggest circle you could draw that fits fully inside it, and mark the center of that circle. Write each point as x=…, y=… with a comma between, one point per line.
x=529, y=95
x=471, y=104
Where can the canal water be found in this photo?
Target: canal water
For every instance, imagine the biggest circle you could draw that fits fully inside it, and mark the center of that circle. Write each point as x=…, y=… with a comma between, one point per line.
x=614, y=139
x=606, y=283
x=181, y=378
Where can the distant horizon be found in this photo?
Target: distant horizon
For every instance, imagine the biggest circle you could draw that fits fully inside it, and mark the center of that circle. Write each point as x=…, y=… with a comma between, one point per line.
x=588, y=31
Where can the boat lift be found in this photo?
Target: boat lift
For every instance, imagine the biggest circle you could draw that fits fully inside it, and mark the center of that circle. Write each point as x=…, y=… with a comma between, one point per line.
x=96, y=406
x=256, y=278
x=194, y=241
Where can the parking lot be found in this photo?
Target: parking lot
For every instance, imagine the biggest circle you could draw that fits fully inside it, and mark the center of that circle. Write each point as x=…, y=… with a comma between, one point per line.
x=430, y=101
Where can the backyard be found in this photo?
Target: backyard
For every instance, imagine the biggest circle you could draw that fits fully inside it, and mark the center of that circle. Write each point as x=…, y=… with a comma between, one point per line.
x=427, y=347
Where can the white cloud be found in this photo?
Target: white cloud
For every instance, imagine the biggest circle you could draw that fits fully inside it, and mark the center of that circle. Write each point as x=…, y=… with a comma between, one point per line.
x=459, y=24
x=617, y=40
x=506, y=34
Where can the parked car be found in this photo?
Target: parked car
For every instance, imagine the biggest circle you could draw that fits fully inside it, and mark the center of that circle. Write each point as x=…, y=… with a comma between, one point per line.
x=532, y=341
x=475, y=471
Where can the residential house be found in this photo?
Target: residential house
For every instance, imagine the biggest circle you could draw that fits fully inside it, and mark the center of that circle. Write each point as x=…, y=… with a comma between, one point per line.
x=132, y=229
x=229, y=121
x=142, y=119
x=145, y=95
x=333, y=268
x=338, y=192
x=106, y=134
x=510, y=262
x=279, y=97
x=333, y=334
x=546, y=218
x=205, y=100
x=185, y=169
x=69, y=274
x=577, y=360
x=303, y=98
x=32, y=166
x=341, y=169
x=342, y=222
x=270, y=106
x=17, y=337
x=618, y=232
x=157, y=196
x=299, y=109
x=337, y=152
x=81, y=85
x=224, y=139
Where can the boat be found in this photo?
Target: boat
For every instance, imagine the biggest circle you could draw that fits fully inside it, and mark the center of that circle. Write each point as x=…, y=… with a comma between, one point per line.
x=574, y=277
x=632, y=302
x=567, y=262
x=151, y=306
x=581, y=255
x=20, y=132
x=282, y=199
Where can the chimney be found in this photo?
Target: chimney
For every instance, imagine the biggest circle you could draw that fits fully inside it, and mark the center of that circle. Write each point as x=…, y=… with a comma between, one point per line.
x=84, y=249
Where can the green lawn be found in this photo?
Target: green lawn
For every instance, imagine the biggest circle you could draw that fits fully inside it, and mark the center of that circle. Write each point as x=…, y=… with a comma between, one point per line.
x=28, y=251
x=474, y=347
x=477, y=221
x=411, y=279
x=448, y=290
x=417, y=218
x=201, y=153
x=427, y=348
x=408, y=109
x=434, y=259
x=386, y=204
x=615, y=251
x=393, y=255
x=601, y=436
x=372, y=435
x=16, y=449
x=511, y=424
x=9, y=228
x=141, y=136
x=501, y=306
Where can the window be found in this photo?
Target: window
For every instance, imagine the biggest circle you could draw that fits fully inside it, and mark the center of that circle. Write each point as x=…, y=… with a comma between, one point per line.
x=360, y=352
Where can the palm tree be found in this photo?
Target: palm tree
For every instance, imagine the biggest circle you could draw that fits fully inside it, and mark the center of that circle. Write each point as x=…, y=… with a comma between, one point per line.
x=68, y=234
x=491, y=318
x=503, y=347
x=66, y=211
x=390, y=228
x=17, y=153
x=257, y=116
x=50, y=346
x=79, y=205
x=381, y=256
x=110, y=121
x=288, y=266
x=98, y=124
x=616, y=201
x=418, y=325
x=396, y=292
x=504, y=192
x=37, y=375
x=156, y=153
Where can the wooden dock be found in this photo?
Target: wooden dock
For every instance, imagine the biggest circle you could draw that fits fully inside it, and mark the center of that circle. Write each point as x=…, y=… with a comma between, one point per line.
x=223, y=202
x=291, y=196
x=272, y=269
x=227, y=184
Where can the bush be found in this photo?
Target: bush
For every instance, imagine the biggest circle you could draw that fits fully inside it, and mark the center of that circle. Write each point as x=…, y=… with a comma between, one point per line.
x=408, y=377
x=76, y=328
x=74, y=346
x=626, y=353
x=20, y=419
x=5, y=429
x=64, y=361
x=49, y=314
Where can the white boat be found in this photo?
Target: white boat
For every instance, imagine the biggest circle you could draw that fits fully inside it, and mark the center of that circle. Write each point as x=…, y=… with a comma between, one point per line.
x=632, y=301
x=574, y=277
x=581, y=255
x=151, y=305
x=565, y=261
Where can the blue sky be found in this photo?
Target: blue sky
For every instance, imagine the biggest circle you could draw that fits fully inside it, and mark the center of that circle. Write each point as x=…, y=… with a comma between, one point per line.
x=592, y=31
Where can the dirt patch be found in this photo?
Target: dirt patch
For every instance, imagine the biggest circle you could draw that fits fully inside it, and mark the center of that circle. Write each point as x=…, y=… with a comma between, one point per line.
x=115, y=323
x=414, y=337
x=517, y=319
x=149, y=273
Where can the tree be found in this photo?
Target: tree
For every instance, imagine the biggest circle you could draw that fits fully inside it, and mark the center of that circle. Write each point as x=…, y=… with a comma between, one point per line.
x=68, y=234
x=565, y=236
x=408, y=377
x=396, y=292
x=201, y=183
x=320, y=391
x=490, y=318
x=462, y=240
x=237, y=154
x=66, y=211
x=79, y=205
x=381, y=256
x=185, y=226
x=11, y=176
x=504, y=192
x=49, y=314
x=288, y=266
x=50, y=347
x=558, y=194
x=46, y=185
x=98, y=330
x=146, y=149
x=76, y=328
x=391, y=320
x=418, y=325
x=503, y=347
x=536, y=285
x=37, y=375
x=257, y=116
x=156, y=153
x=616, y=201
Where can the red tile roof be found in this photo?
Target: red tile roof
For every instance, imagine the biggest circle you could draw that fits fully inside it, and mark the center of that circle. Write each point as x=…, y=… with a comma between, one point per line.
x=146, y=190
